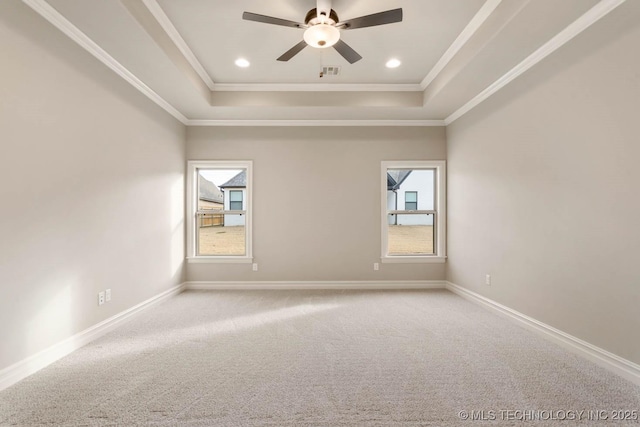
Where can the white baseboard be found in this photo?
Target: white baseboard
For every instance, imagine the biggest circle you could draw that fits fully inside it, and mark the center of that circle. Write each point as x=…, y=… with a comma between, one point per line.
x=616, y=364
x=34, y=363
x=317, y=285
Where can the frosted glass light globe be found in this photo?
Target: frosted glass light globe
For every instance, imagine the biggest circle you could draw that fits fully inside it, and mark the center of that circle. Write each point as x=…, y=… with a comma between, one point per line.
x=321, y=36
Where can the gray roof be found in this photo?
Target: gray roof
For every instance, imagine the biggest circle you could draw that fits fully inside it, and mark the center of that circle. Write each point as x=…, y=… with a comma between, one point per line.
x=238, y=181
x=395, y=178
x=208, y=190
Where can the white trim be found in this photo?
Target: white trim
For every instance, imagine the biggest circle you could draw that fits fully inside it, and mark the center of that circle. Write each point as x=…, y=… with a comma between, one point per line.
x=592, y=16
x=219, y=260
x=174, y=35
x=317, y=87
x=476, y=22
x=337, y=123
x=413, y=259
x=34, y=363
x=440, y=206
x=315, y=285
x=616, y=364
x=60, y=22
x=192, y=208
x=585, y=21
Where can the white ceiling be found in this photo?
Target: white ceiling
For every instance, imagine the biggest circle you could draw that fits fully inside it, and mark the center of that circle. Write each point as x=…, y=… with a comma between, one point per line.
x=438, y=21
x=454, y=53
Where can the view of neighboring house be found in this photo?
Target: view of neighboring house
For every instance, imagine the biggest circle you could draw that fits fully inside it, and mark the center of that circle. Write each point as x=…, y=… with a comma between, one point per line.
x=410, y=190
x=235, y=196
x=209, y=198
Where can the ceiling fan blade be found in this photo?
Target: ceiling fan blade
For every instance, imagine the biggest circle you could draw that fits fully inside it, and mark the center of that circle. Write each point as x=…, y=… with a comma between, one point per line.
x=248, y=16
x=381, y=18
x=293, y=51
x=323, y=6
x=347, y=52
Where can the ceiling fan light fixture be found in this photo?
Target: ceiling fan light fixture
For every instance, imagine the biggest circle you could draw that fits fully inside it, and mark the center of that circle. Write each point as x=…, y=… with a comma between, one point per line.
x=323, y=31
x=321, y=36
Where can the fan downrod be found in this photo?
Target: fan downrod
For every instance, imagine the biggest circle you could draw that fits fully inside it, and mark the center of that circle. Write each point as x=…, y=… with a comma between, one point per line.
x=313, y=14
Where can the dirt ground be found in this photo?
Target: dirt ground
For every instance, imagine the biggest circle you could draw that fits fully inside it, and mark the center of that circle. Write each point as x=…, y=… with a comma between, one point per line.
x=222, y=241
x=403, y=240
x=410, y=239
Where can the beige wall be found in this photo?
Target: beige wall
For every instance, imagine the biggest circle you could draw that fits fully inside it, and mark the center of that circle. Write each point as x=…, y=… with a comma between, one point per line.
x=316, y=207
x=91, y=183
x=544, y=189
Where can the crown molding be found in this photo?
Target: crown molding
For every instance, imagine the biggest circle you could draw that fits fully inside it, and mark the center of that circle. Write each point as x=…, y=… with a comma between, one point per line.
x=476, y=22
x=316, y=87
x=585, y=21
x=45, y=10
x=166, y=24
x=322, y=123
x=589, y=18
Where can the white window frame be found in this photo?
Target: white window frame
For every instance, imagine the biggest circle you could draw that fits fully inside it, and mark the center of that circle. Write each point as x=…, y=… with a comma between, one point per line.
x=440, y=208
x=192, y=209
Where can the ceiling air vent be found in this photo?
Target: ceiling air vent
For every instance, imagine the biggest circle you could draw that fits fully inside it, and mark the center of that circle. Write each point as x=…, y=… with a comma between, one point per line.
x=330, y=71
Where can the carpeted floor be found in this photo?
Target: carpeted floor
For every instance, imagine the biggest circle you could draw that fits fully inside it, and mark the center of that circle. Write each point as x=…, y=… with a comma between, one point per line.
x=329, y=358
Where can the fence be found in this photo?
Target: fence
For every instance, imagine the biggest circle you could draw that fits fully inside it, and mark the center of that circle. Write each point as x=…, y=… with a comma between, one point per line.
x=211, y=220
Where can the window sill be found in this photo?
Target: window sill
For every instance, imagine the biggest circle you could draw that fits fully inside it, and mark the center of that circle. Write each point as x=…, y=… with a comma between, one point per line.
x=219, y=260
x=414, y=259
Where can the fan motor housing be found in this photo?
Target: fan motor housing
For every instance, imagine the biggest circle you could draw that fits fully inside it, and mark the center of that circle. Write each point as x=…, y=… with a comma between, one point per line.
x=313, y=14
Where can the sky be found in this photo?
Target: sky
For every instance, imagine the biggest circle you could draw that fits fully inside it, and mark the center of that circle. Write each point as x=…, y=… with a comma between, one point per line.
x=219, y=176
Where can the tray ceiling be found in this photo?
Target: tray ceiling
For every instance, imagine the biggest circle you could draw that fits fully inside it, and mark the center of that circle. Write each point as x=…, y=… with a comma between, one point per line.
x=453, y=53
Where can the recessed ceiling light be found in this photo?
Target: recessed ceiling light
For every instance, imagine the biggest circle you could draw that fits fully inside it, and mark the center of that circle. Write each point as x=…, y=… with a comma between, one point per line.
x=393, y=63
x=242, y=63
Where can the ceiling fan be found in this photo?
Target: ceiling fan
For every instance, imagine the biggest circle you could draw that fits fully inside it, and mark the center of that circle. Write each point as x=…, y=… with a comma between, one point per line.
x=322, y=28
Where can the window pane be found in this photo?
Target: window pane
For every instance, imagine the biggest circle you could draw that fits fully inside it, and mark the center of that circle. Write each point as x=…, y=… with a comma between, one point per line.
x=235, y=196
x=411, y=234
x=221, y=234
x=209, y=194
x=218, y=233
x=411, y=189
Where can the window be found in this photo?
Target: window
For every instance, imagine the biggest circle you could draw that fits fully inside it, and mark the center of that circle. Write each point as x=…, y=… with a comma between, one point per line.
x=219, y=211
x=413, y=211
x=410, y=200
x=235, y=200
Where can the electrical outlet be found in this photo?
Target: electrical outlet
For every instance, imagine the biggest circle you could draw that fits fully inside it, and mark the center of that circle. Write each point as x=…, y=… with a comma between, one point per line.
x=107, y=295
x=255, y=266
x=376, y=266
x=100, y=298
x=487, y=280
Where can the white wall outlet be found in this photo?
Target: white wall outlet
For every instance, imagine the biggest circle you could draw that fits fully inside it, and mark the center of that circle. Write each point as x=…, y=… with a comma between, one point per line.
x=107, y=295
x=487, y=280
x=100, y=298
x=376, y=266
x=255, y=266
